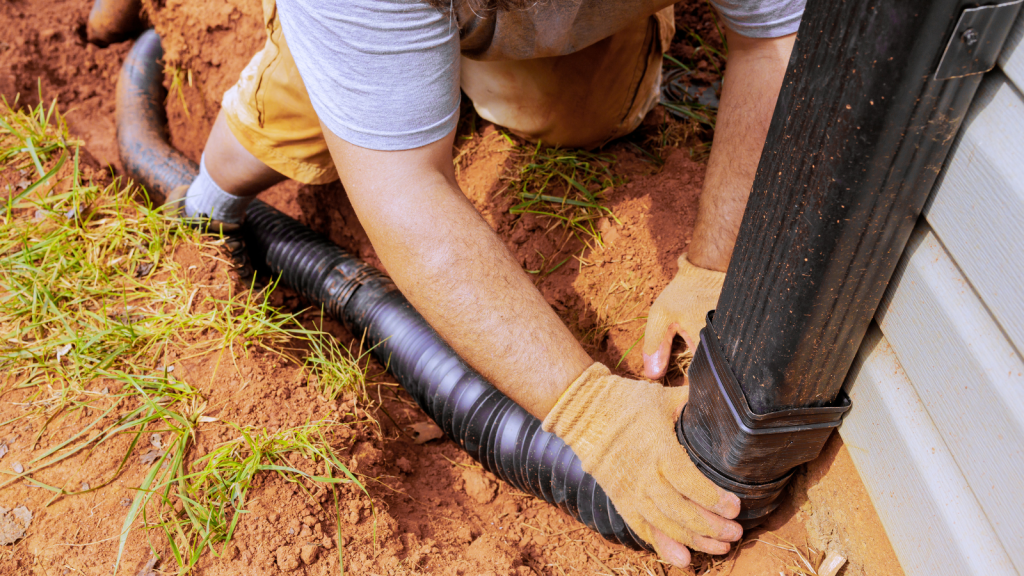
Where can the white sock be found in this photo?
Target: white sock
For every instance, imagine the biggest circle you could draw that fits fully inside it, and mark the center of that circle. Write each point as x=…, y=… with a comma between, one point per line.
x=206, y=198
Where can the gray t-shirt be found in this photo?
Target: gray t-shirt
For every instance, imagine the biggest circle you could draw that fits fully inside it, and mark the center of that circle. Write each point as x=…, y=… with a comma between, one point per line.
x=381, y=74
x=384, y=74
x=761, y=18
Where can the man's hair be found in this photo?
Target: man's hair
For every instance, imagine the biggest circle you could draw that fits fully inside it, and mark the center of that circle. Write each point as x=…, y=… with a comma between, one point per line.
x=482, y=7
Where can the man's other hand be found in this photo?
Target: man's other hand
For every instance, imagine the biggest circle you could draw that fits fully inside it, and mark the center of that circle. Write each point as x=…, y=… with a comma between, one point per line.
x=624, y=432
x=680, y=309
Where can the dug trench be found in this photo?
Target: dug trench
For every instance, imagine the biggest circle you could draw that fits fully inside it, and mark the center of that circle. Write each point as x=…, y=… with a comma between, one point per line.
x=428, y=507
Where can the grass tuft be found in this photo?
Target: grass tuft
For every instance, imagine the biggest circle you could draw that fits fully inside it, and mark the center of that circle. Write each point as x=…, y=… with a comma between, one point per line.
x=565, y=185
x=202, y=502
x=179, y=78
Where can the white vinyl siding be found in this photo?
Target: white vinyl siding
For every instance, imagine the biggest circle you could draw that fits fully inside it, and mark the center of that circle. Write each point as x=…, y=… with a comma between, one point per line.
x=937, y=425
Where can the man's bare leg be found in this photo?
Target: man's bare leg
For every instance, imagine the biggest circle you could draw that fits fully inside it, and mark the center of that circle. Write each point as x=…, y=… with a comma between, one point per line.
x=229, y=178
x=233, y=167
x=750, y=88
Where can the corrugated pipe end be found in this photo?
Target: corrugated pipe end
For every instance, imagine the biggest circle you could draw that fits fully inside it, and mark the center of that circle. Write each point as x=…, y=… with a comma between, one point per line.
x=113, y=21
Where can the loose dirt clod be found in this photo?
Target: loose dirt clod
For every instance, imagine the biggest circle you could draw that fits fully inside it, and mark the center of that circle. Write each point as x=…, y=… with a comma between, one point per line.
x=287, y=558
x=478, y=486
x=13, y=524
x=308, y=553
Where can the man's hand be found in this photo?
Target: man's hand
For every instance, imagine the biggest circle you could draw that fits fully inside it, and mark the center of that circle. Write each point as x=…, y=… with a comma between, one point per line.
x=624, y=432
x=680, y=309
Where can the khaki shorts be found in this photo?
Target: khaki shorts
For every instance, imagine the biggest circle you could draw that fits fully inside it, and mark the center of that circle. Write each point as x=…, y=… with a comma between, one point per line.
x=581, y=99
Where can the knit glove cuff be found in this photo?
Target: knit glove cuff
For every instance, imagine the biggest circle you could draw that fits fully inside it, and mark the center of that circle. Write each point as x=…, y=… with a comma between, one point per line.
x=624, y=433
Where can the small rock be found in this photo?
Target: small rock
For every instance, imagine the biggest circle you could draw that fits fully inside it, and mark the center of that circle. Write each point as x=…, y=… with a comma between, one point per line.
x=155, y=441
x=85, y=486
x=13, y=524
x=63, y=351
x=125, y=502
x=423, y=432
x=3, y=449
x=143, y=269
x=17, y=467
x=287, y=558
x=308, y=553
x=327, y=542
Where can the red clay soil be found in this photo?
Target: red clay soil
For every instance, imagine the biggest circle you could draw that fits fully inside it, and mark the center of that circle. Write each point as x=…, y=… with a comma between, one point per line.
x=437, y=512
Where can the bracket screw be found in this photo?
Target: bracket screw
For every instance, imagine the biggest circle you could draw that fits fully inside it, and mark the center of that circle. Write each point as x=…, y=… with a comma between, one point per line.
x=970, y=37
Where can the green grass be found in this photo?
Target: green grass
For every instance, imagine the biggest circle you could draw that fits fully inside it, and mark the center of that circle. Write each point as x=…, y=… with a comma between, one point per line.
x=566, y=186
x=92, y=301
x=211, y=491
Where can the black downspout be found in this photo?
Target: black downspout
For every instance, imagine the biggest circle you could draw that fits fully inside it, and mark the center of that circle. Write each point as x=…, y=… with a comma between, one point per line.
x=874, y=93
x=493, y=429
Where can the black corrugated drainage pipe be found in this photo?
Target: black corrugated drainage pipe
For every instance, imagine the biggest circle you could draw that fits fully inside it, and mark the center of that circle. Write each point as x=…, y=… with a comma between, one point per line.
x=493, y=429
x=874, y=93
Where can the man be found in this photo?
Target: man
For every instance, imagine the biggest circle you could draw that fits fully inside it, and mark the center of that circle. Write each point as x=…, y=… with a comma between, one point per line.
x=369, y=91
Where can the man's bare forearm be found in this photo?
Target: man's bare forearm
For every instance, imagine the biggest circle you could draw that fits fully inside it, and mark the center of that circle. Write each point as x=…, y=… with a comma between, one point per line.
x=458, y=274
x=750, y=89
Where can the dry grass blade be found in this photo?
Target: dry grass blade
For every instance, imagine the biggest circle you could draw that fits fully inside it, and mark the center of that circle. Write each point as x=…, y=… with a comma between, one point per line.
x=810, y=561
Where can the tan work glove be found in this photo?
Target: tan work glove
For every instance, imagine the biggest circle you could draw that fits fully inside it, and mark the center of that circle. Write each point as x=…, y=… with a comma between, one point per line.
x=681, y=309
x=624, y=432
